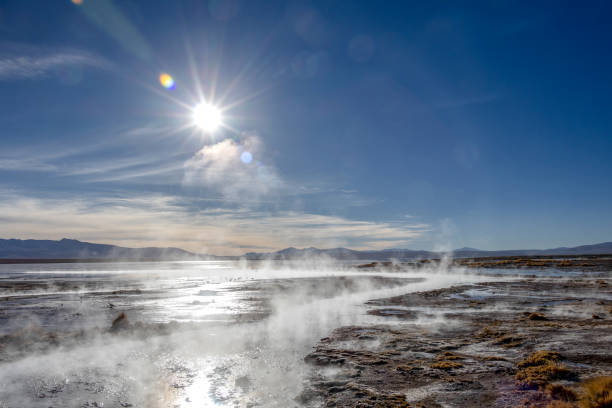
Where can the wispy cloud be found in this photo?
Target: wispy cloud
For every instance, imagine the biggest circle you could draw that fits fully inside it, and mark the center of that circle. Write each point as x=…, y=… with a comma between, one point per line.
x=41, y=63
x=88, y=161
x=25, y=165
x=165, y=221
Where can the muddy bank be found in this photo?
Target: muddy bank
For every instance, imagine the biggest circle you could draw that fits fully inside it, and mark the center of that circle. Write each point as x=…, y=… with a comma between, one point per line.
x=472, y=346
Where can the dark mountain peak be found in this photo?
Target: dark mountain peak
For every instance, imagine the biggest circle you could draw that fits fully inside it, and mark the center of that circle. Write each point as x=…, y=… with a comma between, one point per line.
x=288, y=250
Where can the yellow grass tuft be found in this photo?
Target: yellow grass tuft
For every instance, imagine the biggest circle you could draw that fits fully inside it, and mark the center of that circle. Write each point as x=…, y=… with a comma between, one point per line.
x=539, y=358
x=597, y=393
x=540, y=368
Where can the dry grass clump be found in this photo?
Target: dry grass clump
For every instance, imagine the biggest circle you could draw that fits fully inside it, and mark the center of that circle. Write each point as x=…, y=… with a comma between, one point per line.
x=447, y=355
x=494, y=358
x=490, y=331
x=500, y=337
x=594, y=393
x=446, y=365
x=561, y=392
x=542, y=374
x=508, y=341
x=540, y=368
x=597, y=393
x=539, y=357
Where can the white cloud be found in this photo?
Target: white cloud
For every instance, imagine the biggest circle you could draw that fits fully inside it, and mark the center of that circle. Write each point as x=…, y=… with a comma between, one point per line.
x=220, y=167
x=42, y=63
x=164, y=221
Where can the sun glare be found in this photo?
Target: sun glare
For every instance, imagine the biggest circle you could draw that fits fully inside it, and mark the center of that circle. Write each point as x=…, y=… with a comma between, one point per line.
x=207, y=117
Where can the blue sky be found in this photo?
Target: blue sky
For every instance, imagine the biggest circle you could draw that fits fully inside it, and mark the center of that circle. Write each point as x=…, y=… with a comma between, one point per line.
x=371, y=124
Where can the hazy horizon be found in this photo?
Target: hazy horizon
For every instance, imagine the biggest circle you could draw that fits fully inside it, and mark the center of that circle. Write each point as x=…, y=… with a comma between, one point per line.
x=329, y=248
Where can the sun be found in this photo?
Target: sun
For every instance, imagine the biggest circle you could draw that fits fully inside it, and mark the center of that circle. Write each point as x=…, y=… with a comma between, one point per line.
x=207, y=117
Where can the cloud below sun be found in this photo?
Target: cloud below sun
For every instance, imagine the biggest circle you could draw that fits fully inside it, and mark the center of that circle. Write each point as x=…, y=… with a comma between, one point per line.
x=234, y=168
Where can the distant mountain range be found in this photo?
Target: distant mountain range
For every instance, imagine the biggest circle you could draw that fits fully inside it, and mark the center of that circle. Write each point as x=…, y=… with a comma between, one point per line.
x=73, y=249
x=342, y=253
x=404, y=254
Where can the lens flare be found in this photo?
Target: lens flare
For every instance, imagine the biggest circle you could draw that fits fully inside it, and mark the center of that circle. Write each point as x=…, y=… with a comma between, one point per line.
x=246, y=157
x=166, y=81
x=207, y=117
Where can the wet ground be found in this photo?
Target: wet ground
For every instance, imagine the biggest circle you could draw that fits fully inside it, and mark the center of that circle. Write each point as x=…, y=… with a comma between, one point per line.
x=192, y=334
x=221, y=334
x=466, y=345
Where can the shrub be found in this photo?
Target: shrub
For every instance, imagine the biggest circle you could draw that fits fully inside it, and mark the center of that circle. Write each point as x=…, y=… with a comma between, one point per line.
x=542, y=374
x=597, y=393
x=539, y=358
x=540, y=368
